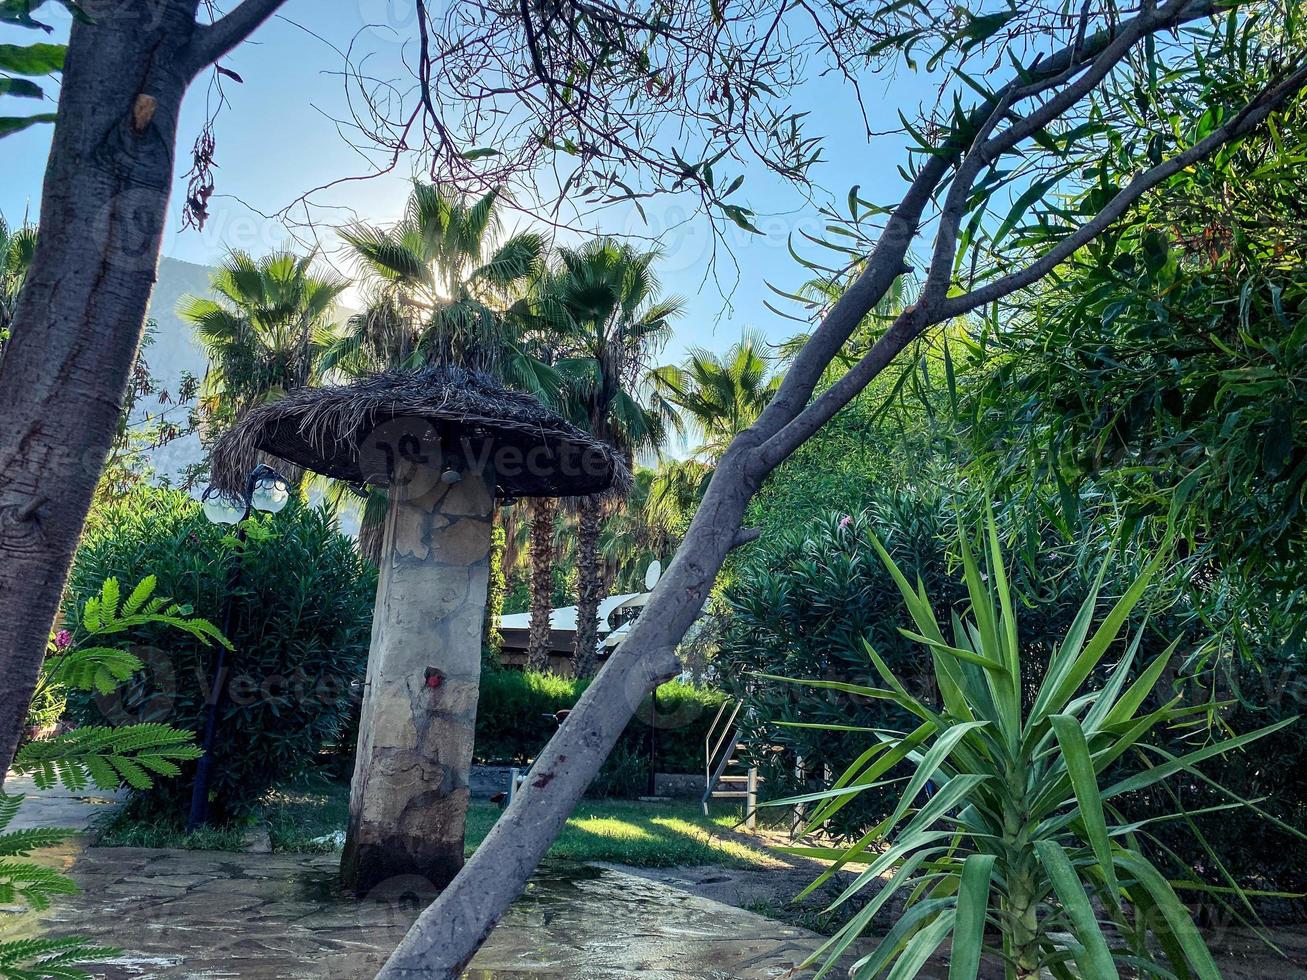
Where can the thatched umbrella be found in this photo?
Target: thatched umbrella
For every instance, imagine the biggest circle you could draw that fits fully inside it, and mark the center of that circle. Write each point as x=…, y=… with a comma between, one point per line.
x=446, y=443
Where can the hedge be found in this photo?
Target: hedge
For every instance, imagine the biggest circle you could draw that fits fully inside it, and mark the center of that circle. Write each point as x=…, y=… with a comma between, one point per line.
x=512, y=722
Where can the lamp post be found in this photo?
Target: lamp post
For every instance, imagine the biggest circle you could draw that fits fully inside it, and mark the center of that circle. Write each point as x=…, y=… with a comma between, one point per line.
x=265, y=490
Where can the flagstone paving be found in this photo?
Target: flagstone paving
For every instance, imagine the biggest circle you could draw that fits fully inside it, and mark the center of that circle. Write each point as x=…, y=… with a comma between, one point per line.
x=193, y=914
x=186, y=915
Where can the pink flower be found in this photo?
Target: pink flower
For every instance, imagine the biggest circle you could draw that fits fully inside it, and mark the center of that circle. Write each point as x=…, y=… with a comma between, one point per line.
x=845, y=521
x=63, y=640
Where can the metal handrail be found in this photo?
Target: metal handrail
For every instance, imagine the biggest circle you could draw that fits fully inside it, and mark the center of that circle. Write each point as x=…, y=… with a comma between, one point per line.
x=707, y=738
x=715, y=760
x=728, y=730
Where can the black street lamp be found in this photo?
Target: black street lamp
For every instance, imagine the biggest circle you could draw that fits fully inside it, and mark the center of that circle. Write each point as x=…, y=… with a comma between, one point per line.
x=265, y=490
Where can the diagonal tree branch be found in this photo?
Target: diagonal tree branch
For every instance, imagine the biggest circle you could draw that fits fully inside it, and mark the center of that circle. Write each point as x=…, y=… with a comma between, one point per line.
x=445, y=936
x=1100, y=53
x=214, y=40
x=1105, y=51
x=913, y=322
x=1248, y=119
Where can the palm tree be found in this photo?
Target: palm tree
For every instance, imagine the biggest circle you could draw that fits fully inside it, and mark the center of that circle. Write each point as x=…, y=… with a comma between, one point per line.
x=545, y=325
x=646, y=528
x=616, y=323
x=718, y=396
x=265, y=329
x=439, y=284
x=713, y=398
x=16, y=248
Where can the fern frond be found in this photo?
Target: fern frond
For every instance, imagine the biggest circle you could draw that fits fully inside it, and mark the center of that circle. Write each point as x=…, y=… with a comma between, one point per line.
x=144, y=589
x=33, y=884
x=109, y=595
x=107, y=756
x=49, y=959
x=20, y=843
x=99, y=669
x=9, y=804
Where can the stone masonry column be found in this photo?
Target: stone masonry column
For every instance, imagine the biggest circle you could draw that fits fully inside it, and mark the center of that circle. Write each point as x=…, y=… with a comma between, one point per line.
x=409, y=796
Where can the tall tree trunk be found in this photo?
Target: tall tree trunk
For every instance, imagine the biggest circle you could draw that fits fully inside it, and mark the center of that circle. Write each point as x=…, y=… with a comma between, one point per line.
x=79, y=318
x=544, y=518
x=589, y=586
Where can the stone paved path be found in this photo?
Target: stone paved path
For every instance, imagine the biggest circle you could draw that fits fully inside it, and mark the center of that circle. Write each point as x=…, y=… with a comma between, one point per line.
x=187, y=915
x=206, y=914
x=57, y=807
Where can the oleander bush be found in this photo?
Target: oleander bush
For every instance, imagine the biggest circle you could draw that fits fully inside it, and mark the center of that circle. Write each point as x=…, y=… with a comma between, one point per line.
x=299, y=631
x=802, y=600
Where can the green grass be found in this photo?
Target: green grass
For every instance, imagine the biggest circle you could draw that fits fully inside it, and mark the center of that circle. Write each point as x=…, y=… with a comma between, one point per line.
x=295, y=814
x=298, y=814
x=121, y=830
x=646, y=835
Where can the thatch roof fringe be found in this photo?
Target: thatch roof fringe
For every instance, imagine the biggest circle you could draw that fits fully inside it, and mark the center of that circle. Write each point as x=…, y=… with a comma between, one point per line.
x=452, y=416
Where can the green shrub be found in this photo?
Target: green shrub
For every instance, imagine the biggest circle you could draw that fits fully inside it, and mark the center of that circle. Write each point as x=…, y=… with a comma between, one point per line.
x=1261, y=853
x=624, y=774
x=514, y=723
x=300, y=629
x=511, y=712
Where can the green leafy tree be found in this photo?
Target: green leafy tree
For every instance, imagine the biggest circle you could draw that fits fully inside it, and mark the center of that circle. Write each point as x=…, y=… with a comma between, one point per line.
x=1174, y=348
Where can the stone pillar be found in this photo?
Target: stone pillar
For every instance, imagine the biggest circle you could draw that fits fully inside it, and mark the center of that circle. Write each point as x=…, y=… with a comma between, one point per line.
x=409, y=797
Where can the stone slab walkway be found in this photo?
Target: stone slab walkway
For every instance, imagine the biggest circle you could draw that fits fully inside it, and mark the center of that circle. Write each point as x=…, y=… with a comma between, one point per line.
x=187, y=915
x=57, y=807
x=206, y=914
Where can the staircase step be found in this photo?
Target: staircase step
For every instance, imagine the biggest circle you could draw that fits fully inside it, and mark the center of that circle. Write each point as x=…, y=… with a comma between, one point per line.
x=721, y=794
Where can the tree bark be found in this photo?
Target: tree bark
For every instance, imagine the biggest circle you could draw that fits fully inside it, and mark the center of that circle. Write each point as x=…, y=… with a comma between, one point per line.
x=544, y=517
x=78, y=321
x=79, y=317
x=589, y=586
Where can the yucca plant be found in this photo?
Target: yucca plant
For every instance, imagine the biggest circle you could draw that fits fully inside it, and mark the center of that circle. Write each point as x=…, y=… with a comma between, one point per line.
x=1005, y=838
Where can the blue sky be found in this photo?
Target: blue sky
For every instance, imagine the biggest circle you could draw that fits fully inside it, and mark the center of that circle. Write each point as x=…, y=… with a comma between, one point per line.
x=275, y=140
